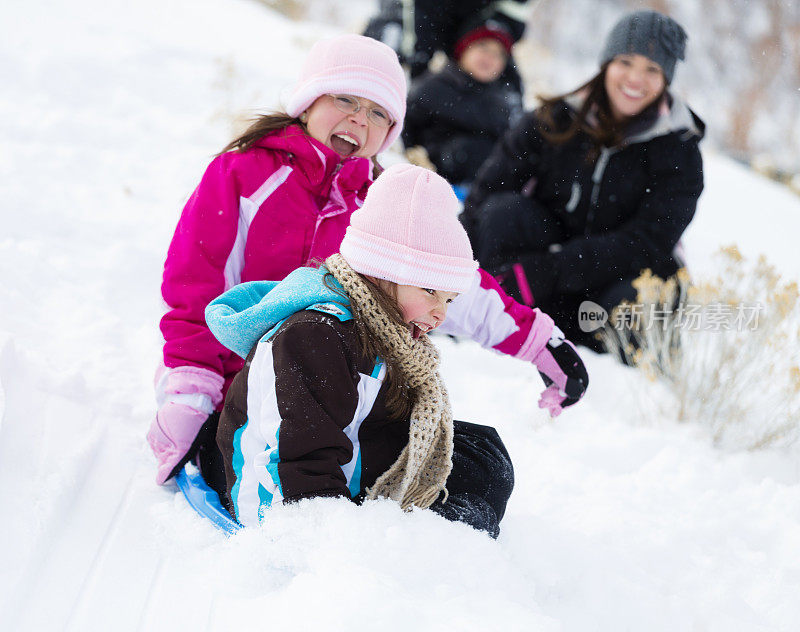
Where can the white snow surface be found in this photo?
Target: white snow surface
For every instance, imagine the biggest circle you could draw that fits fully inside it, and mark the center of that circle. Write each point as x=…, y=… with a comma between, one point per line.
x=619, y=520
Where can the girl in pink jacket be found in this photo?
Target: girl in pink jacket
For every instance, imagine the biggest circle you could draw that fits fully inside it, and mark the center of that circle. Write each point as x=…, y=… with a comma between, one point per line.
x=280, y=196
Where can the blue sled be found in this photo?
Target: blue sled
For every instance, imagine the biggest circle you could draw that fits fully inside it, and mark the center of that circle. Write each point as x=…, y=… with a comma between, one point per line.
x=205, y=501
x=461, y=191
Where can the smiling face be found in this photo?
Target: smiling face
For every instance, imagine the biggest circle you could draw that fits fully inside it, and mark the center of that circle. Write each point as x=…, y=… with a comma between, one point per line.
x=632, y=83
x=346, y=134
x=423, y=309
x=484, y=60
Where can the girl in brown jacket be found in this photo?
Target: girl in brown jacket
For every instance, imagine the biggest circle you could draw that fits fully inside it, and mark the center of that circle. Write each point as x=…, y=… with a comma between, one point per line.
x=341, y=394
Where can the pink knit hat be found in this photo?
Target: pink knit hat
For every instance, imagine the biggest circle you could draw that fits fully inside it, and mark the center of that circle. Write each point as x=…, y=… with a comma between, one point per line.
x=357, y=65
x=407, y=232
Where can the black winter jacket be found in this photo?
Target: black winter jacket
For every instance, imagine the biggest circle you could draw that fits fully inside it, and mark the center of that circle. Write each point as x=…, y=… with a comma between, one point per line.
x=458, y=120
x=623, y=212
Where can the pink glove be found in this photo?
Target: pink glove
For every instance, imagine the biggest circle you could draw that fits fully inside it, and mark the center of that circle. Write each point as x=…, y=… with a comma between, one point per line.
x=563, y=373
x=186, y=396
x=558, y=362
x=551, y=399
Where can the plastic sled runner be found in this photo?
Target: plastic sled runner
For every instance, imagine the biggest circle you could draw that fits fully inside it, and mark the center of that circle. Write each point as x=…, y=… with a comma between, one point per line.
x=461, y=191
x=205, y=501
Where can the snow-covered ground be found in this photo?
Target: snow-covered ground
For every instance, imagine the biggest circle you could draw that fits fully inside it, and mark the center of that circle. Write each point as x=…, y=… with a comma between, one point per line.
x=108, y=114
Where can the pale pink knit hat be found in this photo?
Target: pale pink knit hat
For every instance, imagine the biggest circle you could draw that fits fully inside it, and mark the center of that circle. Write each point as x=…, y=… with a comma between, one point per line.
x=408, y=232
x=357, y=65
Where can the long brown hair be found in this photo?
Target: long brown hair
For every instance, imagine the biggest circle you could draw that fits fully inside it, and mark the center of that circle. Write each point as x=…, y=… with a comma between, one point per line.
x=275, y=122
x=399, y=395
x=260, y=127
x=604, y=130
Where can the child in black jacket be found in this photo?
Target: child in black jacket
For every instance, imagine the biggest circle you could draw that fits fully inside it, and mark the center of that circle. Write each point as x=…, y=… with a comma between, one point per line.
x=458, y=113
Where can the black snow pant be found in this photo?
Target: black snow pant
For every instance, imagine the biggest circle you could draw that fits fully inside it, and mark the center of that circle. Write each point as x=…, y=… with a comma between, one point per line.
x=209, y=460
x=510, y=226
x=481, y=481
x=479, y=485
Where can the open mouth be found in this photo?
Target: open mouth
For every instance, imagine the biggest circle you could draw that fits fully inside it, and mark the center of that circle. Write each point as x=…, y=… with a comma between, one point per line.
x=632, y=94
x=344, y=144
x=417, y=329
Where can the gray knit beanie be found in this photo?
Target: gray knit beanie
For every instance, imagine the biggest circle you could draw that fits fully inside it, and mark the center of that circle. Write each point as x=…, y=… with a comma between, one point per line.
x=647, y=33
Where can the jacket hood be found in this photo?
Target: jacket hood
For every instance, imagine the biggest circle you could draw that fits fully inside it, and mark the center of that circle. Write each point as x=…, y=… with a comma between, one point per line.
x=673, y=115
x=240, y=317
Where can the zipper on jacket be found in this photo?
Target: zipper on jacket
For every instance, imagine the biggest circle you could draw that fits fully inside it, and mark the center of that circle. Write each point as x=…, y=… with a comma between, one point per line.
x=314, y=236
x=320, y=217
x=575, y=197
x=597, y=176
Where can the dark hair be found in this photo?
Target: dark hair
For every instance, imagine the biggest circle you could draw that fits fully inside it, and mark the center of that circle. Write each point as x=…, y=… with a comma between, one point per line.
x=275, y=122
x=400, y=396
x=260, y=127
x=605, y=131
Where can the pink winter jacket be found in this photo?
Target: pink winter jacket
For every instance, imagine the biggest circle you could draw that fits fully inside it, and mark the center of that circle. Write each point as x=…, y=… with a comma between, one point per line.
x=259, y=214
x=256, y=215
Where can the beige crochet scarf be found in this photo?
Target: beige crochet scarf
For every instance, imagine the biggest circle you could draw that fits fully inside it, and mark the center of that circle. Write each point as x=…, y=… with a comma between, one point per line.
x=420, y=472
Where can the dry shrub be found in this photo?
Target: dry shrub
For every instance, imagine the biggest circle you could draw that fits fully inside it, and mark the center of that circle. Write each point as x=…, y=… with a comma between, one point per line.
x=332, y=13
x=292, y=9
x=418, y=155
x=726, y=350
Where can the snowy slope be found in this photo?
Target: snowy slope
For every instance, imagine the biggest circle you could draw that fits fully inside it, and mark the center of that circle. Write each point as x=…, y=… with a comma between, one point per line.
x=108, y=114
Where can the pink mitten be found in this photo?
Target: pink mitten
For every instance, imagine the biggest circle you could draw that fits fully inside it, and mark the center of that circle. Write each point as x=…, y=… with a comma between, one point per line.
x=186, y=396
x=563, y=373
x=551, y=400
x=559, y=364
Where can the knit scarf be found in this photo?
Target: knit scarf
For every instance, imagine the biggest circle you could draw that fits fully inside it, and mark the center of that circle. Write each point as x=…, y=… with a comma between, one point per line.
x=420, y=472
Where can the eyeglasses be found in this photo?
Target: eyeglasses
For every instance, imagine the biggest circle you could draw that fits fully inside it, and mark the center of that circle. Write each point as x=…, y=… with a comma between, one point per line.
x=348, y=104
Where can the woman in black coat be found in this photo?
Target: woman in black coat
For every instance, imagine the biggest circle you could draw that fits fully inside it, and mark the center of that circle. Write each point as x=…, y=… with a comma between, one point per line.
x=596, y=185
